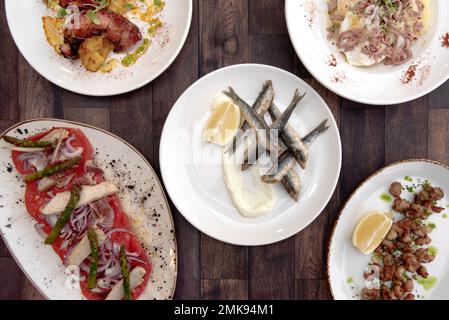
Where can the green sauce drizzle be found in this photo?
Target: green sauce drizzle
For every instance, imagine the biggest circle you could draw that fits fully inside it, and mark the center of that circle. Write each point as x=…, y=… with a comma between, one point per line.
x=132, y=58
x=386, y=197
x=433, y=250
x=428, y=283
x=407, y=178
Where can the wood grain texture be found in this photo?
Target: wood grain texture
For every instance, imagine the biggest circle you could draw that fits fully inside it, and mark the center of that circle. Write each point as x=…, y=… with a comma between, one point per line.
x=438, y=99
x=438, y=143
x=38, y=98
x=406, y=131
x=266, y=17
x=224, y=289
x=98, y=117
x=9, y=109
x=363, y=139
x=132, y=119
x=312, y=290
x=223, y=33
x=10, y=279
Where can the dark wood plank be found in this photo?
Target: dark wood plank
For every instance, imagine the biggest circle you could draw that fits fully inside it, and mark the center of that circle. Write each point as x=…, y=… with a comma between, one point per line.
x=363, y=140
x=28, y=291
x=166, y=90
x=37, y=97
x=223, y=33
x=98, y=117
x=9, y=109
x=227, y=289
x=275, y=50
x=406, y=131
x=312, y=290
x=440, y=97
x=271, y=271
x=220, y=260
x=267, y=17
x=270, y=268
x=73, y=100
x=132, y=119
x=10, y=279
x=223, y=41
x=438, y=135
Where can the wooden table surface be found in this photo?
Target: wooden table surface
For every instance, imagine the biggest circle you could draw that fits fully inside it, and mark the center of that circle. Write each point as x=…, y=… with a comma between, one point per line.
x=226, y=32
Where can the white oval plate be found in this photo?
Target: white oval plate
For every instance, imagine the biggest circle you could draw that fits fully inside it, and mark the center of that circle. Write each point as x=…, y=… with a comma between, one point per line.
x=24, y=16
x=39, y=262
x=192, y=171
x=345, y=261
x=378, y=85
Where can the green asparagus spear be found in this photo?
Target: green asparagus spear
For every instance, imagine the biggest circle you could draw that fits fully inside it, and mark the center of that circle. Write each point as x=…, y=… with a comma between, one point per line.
x=125, y=273
x=65, y=216
x=92, y=278
x=27, y=143
x=48, y=171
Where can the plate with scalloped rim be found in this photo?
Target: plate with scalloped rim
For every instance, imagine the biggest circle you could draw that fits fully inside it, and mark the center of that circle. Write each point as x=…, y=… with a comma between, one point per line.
x=24, y=16
x=39, y=262
x=307, y=21
x=346, y=264
x=192, y=169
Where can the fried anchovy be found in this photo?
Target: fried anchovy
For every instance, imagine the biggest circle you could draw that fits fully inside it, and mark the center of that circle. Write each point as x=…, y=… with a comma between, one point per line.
x=291, y=139
x=291, y=181
x=279, y=170
x=279, y=123
x=27, y=143
x=261, y=105
x=256, y=121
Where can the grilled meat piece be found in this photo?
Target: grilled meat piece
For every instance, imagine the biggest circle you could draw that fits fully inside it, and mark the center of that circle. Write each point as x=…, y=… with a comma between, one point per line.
x=114, y=27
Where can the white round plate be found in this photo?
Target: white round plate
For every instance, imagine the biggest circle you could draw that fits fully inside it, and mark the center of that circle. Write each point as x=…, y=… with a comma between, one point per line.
x=39, y=262
x=24, y=16
x=346, y=262
x=307, y=21
x=192, y=170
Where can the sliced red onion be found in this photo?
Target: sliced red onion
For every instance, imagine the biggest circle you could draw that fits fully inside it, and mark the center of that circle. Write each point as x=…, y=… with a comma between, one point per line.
x=37, y=160
x=84, y=267
x=136, y=260
x=70, y=151
x=132, y=254
x=113, y=271
x=40, y=230
x=65, y=244
x=51, y=219
x=64, y=181
x=108, y=234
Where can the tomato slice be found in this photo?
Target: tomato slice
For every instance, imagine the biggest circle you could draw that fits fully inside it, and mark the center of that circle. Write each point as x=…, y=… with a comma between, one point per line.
x=79, y=141
x=35, y=200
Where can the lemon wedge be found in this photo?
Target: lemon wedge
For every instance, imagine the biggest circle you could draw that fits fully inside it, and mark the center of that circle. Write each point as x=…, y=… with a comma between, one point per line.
x=370, y=231
x=223, y=123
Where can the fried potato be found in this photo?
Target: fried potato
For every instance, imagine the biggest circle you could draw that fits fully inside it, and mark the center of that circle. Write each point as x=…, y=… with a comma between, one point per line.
x=121, y=6
x=94, y=51
x=53, y=32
